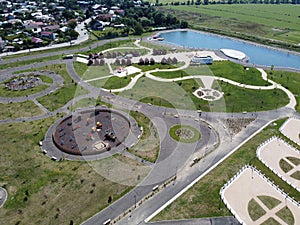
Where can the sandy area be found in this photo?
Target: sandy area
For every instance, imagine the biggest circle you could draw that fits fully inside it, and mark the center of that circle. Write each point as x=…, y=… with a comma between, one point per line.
x=275, y=150
x=249, y=184
x=291, y=129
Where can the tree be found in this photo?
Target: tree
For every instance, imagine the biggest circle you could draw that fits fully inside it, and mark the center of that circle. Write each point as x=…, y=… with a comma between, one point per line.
x=141, y=61
x=72, y=24
x=138, y=29
x=184, y=24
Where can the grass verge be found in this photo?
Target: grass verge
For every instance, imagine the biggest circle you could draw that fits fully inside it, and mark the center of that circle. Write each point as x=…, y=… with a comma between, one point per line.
x=19, y=109
x=289, y=80
x=148, y=146
x=60, y=97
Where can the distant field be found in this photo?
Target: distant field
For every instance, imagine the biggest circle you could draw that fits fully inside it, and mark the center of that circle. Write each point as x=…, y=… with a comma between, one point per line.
x=278, y=22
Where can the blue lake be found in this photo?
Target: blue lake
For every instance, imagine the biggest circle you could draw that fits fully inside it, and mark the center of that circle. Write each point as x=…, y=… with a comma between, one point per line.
x=257, y=54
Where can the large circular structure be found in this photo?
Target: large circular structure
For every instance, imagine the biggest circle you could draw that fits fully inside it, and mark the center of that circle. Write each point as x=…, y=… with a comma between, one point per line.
x=238, y=55
x=91, y=132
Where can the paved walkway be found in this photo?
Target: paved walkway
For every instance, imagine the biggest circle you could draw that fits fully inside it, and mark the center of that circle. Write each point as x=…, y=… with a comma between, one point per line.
x=255, y=185
x=3, y=196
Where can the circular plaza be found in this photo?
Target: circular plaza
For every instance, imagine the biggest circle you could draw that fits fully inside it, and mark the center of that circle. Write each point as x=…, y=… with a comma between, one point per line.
x=91, y=132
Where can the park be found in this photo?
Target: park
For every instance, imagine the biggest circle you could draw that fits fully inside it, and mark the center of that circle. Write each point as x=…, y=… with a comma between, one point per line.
x=135, y=121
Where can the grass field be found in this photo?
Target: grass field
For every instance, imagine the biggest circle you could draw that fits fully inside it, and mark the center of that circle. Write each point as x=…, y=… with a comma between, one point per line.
x=80, y=68
x=203, y=199
x=113, y=82
x=148, y=146
x=47, y=81
x=60, y=97
x=19, y=109
x=290, y=80
x=236, y=98
x=94, y=71
x=247, y=21
x=184, y=128
x=225, y=69
x=180, y=95
x=110, y=44
x=26, y=62
x=41, y=191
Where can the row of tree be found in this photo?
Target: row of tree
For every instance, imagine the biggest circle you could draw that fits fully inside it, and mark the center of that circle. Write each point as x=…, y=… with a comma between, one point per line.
x=206, y=2
x=143, y=19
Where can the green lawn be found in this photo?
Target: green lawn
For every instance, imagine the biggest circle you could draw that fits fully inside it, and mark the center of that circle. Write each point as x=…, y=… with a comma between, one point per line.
x=110, y=44
x=19, y=109
x=157, y=65
x=60, y=97
x=180, y=95
x=269, y=201
x=290, y=80
x=256, y=22
x=80, y=68
x=255, y=210
x=154, y=100
x=160, y=93
x=27, y=62
x=187, y=134
x=286, y=215
x=89, y=102
x=236, y=99
x=47, y=81
x=96, y=72
x=226, y=69
x=170, y=75
x=203, y=199
x=113, y=82
x=42, y=191
x=148, y=145
x=4, y=92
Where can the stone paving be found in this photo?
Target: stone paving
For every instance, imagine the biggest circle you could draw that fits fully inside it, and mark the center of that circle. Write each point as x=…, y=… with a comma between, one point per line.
x=249, y=185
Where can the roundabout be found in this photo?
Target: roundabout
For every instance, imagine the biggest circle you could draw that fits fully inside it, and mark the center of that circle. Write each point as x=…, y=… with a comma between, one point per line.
x=184, y=133
x=28, y=85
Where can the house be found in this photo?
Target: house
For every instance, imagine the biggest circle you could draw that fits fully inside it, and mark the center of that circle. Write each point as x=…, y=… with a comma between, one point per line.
x=83, y=4
x=51, y=28
x=10, y=17
x=120, y=12
x=36, y=40
x=202, y=60
x=48, y=34
x=97, y=7
x=104, y=17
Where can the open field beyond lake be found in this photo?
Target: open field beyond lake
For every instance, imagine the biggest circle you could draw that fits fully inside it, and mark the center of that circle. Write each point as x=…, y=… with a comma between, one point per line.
x=253, y=22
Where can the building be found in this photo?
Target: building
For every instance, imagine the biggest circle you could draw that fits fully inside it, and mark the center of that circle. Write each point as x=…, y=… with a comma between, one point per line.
x=202, y=60
x=48, y=34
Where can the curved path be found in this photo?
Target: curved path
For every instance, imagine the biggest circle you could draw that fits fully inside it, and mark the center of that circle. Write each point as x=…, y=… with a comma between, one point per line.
x=3, y=196
x=57, y=81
